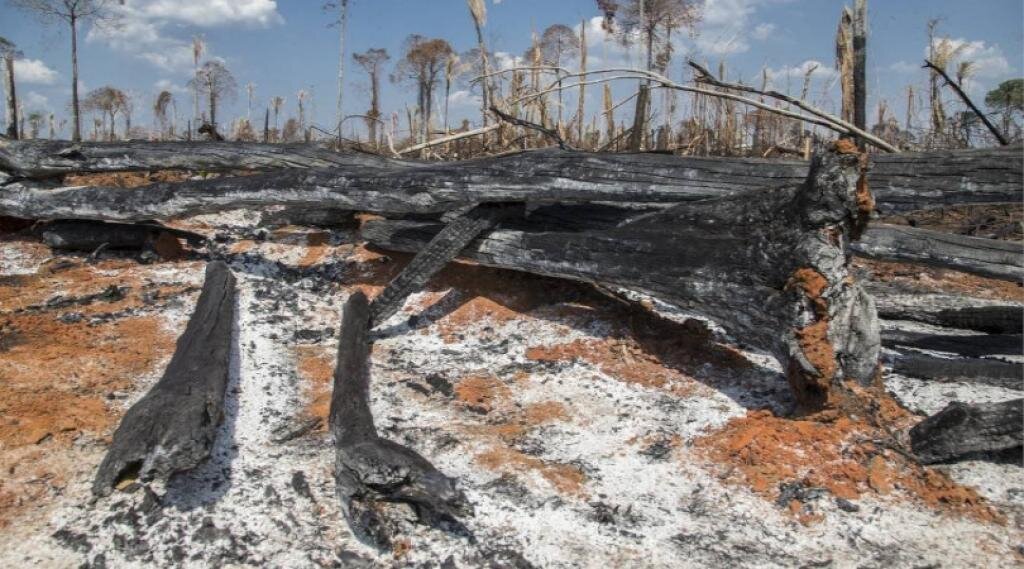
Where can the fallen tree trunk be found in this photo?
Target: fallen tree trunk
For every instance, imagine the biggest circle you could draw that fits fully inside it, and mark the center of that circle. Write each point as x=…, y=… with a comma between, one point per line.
x=378, y=185
x=971, y=346
x=172, y=428
x=769, y=266
x=997, y=373
x=372, y=472
x=986, y=257
x=949, y=311
x=51, y=158
x=83, y=235
x=963, y=431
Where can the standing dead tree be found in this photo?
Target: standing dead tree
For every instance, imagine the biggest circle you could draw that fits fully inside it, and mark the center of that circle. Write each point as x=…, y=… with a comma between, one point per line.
x=72, y=13
x=955, y=86
x=8, y=53
x=423, y=63
x=109, y=101
x=371, y=61
x=216, y=82
x=558, y=43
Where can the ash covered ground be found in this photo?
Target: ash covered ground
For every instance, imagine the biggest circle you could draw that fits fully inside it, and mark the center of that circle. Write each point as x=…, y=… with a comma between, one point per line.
x=584, y=433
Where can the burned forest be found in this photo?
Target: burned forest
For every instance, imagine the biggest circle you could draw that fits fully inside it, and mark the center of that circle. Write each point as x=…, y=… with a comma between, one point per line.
x=638, y=310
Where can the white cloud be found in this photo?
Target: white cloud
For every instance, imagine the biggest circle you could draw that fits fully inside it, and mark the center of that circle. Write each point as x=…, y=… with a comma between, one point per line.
x=34, y=71
x=212, y=12
x=141, y=28
x=505, y=60
x=464, y=98
x=34, y=102
x=763, y=31
x=168, y=85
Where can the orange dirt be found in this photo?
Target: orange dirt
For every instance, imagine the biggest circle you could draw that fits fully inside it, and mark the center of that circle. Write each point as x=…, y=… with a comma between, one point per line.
x=57, y=379
x=481, y=392
x=921, y=278
x=316, y=365
x=764, y=451
x=316, y=244
x=564, y=478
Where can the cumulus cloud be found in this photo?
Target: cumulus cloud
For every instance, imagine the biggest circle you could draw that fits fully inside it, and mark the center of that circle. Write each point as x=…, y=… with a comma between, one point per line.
x=762, y=31
x=141, y=29
x=34, y=102
x=34, y=71
x=464, y=98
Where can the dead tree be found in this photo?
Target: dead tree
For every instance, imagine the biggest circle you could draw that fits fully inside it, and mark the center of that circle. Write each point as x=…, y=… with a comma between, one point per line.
x=781, y=251
x=173, y=427
x=962, y=431
x=373, y=473
x=364, y=182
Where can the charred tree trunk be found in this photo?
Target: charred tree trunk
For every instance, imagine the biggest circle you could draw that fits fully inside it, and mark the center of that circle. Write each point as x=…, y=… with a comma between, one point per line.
x=983, y=371
x=962, y=431
x=172, y=428
x=770, y=266
x=986, y=257
x=991, y=317
x=380, y=185
x=375, y=474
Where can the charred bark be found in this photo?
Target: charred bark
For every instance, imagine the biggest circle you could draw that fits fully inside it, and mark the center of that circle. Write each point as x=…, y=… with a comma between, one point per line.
x=769, y=265
x=950, y=311
x=172, y=428
x=375, y=184
x=963, y=431
x=50, y=158
x=441, y=250
x=985, y=257
x=997, y=373
x=971, y=346
x=83, y=235
x=374, y=474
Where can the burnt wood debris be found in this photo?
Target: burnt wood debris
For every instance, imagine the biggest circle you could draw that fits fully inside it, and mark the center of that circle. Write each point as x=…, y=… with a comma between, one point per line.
x=763, y=248
x=173, y=427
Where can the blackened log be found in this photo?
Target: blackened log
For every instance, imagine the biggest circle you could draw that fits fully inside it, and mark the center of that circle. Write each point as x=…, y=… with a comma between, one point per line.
x=84, y=235
x=769, y=265
x=541, y=176
x=972, y=345
x=963, y=431
x=172, y=428
x=981, y=371
x=371, y=471
x=51, y=158
x=441, y=250
x=949, y=311
x=985, y=257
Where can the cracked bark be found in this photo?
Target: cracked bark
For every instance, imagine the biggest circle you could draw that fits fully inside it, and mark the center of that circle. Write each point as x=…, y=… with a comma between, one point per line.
x=172, y=428
x=770, y=266
x=375, y=477
x=964, y=431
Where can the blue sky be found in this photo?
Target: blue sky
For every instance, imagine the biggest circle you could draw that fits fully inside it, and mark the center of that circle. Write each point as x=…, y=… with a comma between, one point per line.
x=287, y=45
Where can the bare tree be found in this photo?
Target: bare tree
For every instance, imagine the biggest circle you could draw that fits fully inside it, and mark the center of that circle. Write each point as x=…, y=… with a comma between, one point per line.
x=8, y=52
x=108, y=101
x=198, y=47
x=371, y=61
x=653, y=22
x=71, y=12
x=557, y=44
x=216, y=82
x=342, y=7
x=250, y=91
x=478, y=11
x=423, y=62
x=276, y=103
x=160, y=107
